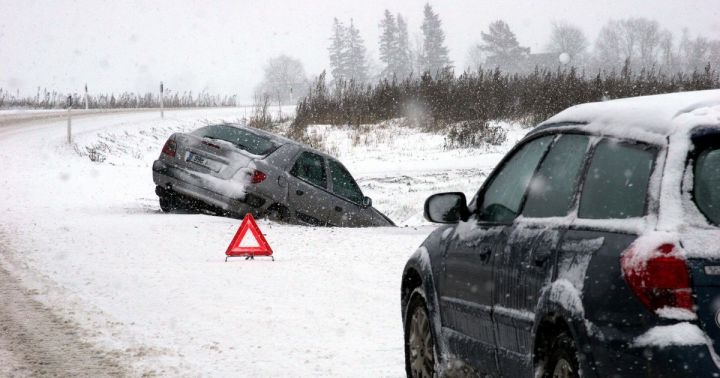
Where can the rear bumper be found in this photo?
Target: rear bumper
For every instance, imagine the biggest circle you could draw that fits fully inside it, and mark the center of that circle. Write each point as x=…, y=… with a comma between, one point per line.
x=171, y=179
x=655, y=361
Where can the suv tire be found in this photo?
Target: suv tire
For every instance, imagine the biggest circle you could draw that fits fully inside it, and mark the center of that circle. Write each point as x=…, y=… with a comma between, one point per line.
x=561, y=359
x=420, y=356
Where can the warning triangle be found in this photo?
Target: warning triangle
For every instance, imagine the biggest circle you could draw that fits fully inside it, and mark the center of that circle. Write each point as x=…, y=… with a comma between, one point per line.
x=244, y=245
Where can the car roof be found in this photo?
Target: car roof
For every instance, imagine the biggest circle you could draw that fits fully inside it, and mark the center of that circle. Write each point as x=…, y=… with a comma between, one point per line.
x=646, y=118
x=280, y=140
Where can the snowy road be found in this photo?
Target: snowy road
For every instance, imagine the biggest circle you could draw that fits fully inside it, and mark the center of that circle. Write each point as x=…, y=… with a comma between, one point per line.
x=36, y=343
x=87, y=240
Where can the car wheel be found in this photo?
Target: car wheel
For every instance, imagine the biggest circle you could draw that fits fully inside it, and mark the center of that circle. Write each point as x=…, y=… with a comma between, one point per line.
x=167, y=204
x=561, y=360
x=279, y=213
x=419, y=340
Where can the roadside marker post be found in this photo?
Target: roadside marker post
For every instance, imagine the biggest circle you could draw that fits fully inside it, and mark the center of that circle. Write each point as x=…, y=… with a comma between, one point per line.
x=162, y=105
x=69, y=123
x=262, y=248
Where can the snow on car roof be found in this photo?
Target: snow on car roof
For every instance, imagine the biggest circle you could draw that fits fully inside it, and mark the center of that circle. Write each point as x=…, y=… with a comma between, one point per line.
x=642, y=118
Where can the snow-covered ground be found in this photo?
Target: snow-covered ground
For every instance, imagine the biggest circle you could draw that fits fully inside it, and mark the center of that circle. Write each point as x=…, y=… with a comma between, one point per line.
x=88, y=238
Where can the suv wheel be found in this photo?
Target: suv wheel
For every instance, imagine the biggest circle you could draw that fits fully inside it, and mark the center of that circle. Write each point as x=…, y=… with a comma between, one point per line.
x=561, y=360
x=419, y=341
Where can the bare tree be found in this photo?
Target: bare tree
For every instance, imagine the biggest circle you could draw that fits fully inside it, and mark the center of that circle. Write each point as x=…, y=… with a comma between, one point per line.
x=668, y=58
x=633, y=40
x=695, y=54
x=566, y=38
x=284, y=80
x=607, y=47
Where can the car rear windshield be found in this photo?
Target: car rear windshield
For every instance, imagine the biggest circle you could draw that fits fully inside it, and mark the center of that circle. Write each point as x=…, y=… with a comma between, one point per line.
x=707, y=183
x=242, y=138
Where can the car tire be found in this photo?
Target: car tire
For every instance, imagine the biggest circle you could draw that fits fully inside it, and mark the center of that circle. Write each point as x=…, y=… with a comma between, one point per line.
x=279, y=213
x=561, y=360
x=167, y=204
x=420, y=351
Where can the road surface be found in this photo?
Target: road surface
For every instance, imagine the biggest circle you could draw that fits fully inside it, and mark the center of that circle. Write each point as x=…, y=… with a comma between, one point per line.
x=36, y=343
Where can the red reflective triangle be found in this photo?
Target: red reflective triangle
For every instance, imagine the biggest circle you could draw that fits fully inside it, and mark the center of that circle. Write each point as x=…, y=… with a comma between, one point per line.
x=263, y=248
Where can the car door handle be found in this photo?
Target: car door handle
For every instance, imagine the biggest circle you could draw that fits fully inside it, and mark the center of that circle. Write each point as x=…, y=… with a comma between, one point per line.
x=338, y=209
x=299, y=192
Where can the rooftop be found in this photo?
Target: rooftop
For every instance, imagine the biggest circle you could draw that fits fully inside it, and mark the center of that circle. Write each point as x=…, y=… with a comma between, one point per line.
x=657, y=115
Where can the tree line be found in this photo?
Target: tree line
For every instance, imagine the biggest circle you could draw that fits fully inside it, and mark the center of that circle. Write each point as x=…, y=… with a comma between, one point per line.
x=57, y=100
x=484, y=94
x=641, y=42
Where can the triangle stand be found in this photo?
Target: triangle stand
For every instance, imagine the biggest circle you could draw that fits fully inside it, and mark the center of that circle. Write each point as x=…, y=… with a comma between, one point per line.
x=236, y=250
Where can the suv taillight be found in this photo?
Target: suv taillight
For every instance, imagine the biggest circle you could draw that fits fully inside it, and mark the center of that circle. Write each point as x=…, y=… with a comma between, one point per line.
x=258, y=177
x=660, y=280
x=170, y=148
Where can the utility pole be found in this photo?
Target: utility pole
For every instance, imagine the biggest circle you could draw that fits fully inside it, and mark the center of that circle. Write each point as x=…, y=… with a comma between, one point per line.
x=69, y=119
x=162, y=105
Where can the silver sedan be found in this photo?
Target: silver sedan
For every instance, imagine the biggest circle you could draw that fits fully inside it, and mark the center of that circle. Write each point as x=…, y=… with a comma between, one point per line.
x=234, y=170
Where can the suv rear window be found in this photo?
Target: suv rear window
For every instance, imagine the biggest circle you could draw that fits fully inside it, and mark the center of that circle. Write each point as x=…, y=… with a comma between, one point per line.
x=617, y=181
x=243, y=139
x=706, y=189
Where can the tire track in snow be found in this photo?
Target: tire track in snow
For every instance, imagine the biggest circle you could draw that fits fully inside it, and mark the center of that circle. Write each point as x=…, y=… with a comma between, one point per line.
x=35, y=342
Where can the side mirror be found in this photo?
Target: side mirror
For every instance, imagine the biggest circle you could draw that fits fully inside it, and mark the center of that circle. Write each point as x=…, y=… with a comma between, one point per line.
x=446, y=208
x=366, y=202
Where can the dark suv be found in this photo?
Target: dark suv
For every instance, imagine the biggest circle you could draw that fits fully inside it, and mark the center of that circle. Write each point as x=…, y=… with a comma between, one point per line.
x=593, y=249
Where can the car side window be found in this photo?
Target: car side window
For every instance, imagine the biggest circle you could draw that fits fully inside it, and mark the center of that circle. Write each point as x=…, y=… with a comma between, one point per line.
x=616, y=182
x=552, y=189
x=343, y=183
x=311, y=168
x=504, y=194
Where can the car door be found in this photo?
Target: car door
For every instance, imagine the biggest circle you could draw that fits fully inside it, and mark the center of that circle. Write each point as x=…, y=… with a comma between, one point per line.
x=526, y=263
x=467, y=285
x=347, y=209
x=308, y=196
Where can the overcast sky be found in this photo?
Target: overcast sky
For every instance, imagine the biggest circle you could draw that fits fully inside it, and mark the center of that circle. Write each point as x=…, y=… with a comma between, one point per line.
x=220, y=46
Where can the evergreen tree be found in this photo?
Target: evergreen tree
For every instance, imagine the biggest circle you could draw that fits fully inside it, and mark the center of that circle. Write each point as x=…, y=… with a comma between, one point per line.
x=403, y=61
x=388, y=44
x=503, y=48
x=338, y=51
x=394, y=47
x=434, y=57
x=356, y=63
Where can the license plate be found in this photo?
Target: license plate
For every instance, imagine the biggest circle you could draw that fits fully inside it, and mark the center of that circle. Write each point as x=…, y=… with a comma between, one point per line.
x=207, y=163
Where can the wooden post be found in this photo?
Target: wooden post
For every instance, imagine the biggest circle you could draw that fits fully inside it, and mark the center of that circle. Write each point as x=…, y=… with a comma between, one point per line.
x=86, y=97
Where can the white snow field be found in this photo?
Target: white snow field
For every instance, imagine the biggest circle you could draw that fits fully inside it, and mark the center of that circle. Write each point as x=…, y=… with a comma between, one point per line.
x=87, y=238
